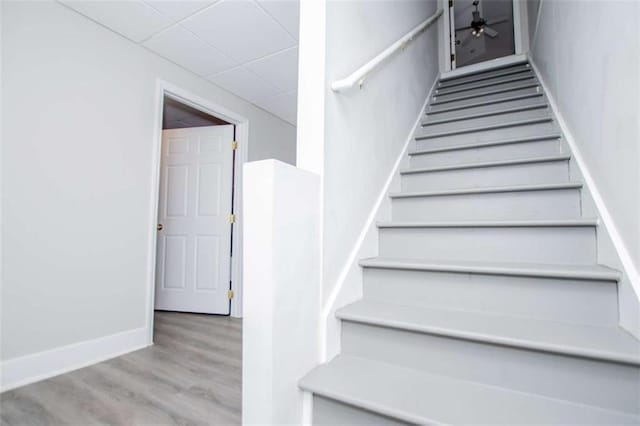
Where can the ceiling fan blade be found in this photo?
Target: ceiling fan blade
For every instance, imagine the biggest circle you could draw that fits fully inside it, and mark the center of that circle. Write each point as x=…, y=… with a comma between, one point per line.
x=490, y=32
x=463, y=28
x=498, y=20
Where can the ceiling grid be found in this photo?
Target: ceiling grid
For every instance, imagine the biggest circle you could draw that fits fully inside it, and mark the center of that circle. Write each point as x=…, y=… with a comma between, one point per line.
x=248, y=47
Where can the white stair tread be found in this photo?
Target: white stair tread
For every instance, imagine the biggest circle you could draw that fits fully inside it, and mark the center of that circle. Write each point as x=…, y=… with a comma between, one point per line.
x=488, y=189
x=429, y=399
x=487, y=92
x=516, y=66
x=485, y=103
x=611, y=344
x=584, y=272
x=484, y=164
x=482, y=84
x=544, y=223
x=475, y=78
x=431, y=122
x=486, y=127
x=485, y=144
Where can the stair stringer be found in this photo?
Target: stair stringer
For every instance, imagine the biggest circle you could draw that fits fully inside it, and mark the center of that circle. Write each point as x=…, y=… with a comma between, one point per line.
x=349, y=285
x=610, y=250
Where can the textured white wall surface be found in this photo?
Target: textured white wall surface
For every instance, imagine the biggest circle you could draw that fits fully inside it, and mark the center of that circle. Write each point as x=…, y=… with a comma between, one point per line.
x=594, y=79
x=78, y=106
x=365, y=129
x=595, y=82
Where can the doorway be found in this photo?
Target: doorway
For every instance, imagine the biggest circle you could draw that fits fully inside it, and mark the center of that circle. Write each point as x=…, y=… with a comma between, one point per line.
x=480, y=31
x=198, y=141
x=192, y=135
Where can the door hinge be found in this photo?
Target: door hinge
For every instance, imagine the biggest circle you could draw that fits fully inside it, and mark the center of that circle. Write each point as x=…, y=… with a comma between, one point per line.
x=453, y=57
x=232, y=218
x=230, y=294
x=234, y=145
x=450, y=3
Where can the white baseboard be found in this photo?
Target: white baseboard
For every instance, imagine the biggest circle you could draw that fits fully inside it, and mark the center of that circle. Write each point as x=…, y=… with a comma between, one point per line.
x=43, y=365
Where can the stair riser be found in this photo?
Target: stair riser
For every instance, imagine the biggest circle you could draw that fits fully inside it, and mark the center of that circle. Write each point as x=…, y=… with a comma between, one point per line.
x=557, y=245
x=548, y=172
x=514, y=85
x=484, y=121
x=568, y=300
x=487, y=98
x=490, y=153
x=482, y=76
x=327, y=412
x=520, y=131
x=546, y=204
x=607, y=385
x=484, y=83
x=485, y=109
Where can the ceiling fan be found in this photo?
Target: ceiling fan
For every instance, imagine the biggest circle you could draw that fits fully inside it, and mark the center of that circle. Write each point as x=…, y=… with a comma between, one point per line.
x=479, y=26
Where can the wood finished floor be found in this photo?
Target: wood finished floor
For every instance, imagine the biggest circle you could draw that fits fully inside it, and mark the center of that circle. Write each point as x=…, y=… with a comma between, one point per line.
x=191, y=376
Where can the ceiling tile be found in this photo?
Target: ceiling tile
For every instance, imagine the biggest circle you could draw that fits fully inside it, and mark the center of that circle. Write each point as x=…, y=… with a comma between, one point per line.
x=287, y=12
x=279, y=69
x=240, y=29
x=187, y=50
x=177, y=10
x=133, y=19
x=244, y=83
x=284, y=105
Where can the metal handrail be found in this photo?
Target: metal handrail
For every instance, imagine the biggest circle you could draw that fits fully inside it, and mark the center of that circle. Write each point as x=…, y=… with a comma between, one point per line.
x=359, y=75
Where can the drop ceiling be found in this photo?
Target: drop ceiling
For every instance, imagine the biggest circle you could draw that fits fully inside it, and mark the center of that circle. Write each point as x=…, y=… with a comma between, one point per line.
x=248, y=47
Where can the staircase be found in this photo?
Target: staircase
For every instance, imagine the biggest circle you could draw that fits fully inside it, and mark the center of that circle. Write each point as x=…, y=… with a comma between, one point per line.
x=486, y=304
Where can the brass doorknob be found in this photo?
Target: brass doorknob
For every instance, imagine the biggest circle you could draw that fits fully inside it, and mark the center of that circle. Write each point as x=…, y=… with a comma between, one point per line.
x=160, y=227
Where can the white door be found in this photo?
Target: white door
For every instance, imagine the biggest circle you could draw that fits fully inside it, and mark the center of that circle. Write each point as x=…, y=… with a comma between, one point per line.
x=193, y=251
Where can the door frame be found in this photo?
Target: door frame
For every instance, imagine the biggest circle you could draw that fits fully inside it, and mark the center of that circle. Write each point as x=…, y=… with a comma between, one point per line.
x=520, y=33
x=164, y=88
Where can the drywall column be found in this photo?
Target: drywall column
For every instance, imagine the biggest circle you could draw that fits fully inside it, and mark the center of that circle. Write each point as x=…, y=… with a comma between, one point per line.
x=281, y=289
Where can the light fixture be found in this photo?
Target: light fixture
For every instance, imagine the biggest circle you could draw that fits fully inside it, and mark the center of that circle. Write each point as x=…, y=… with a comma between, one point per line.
x=477, y=24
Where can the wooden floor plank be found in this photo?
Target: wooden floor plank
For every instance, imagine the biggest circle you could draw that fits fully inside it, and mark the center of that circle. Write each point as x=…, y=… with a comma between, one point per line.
x=191, y=375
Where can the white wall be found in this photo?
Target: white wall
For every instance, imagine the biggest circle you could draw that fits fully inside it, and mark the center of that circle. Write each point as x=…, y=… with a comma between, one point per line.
x=78, y=112
x=365, y=129
x=594, y=79
x=269, y=136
